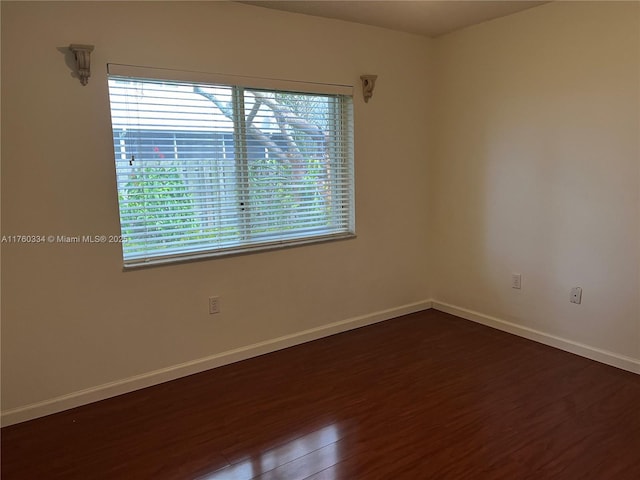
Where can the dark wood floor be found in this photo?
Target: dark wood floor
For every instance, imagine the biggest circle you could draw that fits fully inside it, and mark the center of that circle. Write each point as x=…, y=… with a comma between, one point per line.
x=425, y=396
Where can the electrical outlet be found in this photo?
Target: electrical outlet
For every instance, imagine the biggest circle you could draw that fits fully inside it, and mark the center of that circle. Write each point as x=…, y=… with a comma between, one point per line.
x=516, y=281
x=576, y=295
x=214, y=305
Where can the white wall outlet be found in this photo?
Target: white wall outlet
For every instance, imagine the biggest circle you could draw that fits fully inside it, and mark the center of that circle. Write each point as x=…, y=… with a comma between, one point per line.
x=214, y=305
x=516, y=281
x=576, y=295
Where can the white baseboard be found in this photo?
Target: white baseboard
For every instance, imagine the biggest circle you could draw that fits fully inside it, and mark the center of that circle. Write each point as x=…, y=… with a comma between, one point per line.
x=107, y=390
x=593, y=353
x=137, y=382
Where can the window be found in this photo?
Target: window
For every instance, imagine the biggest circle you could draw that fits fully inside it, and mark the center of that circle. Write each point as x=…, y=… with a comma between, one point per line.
x=207, y=166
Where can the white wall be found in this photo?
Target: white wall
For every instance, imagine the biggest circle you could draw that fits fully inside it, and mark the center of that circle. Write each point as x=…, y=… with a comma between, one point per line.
x=71, y=318
x=511, y=146
x=537, y=171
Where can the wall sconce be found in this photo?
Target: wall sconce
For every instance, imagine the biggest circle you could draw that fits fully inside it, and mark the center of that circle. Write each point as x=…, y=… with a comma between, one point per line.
x=83, y=61
x=368, y=83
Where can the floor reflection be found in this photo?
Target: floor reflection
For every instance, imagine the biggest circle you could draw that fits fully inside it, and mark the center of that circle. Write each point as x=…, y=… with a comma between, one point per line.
x=299, y=458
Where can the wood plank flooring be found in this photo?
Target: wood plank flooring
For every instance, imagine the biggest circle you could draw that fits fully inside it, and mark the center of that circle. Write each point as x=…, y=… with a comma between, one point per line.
x=425, y=396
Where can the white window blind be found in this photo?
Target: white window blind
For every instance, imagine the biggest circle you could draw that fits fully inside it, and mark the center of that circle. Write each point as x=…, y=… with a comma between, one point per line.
x=215, y=168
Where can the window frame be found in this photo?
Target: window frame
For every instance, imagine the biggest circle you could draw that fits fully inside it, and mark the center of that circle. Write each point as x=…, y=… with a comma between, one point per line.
x=238, y=84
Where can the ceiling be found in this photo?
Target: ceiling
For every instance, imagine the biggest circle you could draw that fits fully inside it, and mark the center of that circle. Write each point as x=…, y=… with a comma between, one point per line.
x=422, y=17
